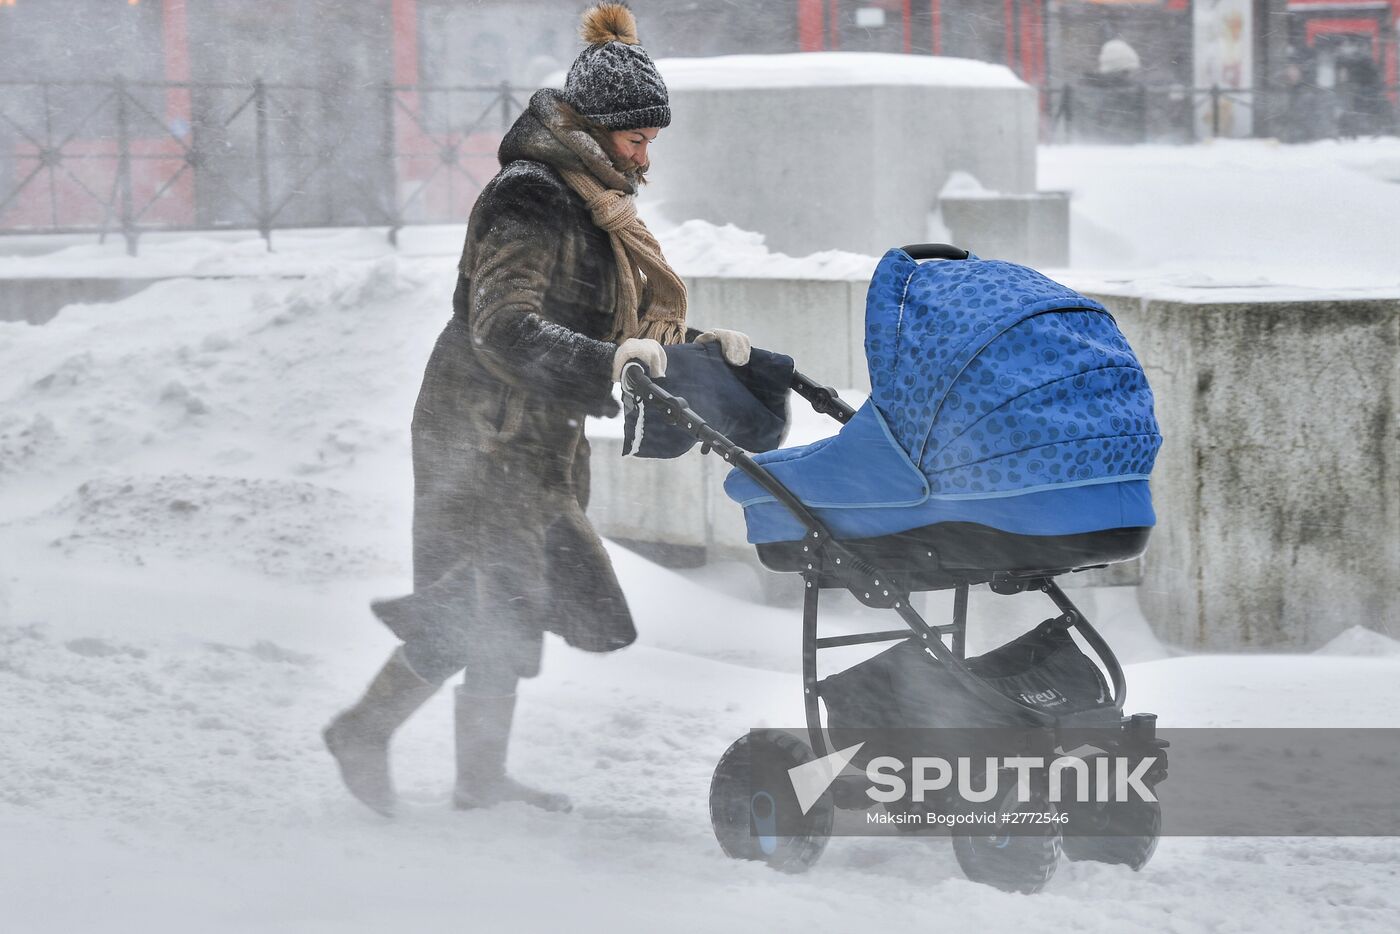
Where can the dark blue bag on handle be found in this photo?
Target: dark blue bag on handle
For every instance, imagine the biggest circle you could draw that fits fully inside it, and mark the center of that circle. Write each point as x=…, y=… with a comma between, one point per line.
x=747, y=404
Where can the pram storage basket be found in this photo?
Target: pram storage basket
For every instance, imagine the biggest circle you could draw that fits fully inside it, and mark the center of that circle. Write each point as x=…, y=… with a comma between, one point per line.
x=902, y=688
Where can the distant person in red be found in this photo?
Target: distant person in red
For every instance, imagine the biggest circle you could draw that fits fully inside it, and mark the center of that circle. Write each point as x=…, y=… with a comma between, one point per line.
x=559, y=284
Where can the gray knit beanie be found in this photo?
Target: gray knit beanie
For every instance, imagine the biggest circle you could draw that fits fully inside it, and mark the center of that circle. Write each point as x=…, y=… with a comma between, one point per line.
x=613, y=82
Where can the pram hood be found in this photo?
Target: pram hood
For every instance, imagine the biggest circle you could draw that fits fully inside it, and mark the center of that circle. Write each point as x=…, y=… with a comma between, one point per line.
x=998, y=397
x=996, y=380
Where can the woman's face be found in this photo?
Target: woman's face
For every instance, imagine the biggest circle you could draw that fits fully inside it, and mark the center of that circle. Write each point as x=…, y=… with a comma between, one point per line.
x=630, y=146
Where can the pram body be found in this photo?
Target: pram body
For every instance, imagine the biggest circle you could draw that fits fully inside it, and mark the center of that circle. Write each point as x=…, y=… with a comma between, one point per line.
x=1007, y=440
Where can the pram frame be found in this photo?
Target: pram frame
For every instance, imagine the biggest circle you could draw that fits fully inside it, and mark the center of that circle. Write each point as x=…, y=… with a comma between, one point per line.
x=831, y=560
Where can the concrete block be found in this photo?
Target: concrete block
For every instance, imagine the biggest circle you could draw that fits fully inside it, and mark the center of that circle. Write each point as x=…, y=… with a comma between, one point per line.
x=636, y=499
x=1031, y=229
x=807, y=319
x=38, y=300
x=1276, y=494
x=838, y=167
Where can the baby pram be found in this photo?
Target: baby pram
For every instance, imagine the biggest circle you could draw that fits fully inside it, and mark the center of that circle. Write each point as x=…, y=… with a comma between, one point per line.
x=1006, y=441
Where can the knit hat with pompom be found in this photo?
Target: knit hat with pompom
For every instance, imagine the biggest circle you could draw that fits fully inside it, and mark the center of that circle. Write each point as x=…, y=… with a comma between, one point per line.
x=613, y=82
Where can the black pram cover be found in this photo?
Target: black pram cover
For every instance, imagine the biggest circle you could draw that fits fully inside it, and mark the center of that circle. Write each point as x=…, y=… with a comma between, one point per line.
x=903, y=687
x=747, y=404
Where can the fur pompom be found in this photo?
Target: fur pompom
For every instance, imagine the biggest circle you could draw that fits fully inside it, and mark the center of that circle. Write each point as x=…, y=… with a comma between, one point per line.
x=609, y=22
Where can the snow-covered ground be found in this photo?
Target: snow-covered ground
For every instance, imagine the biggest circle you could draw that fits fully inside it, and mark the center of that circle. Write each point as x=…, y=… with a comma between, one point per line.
x=202, y=485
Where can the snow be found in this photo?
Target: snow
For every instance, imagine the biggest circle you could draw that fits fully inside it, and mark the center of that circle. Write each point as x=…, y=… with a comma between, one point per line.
x=828, y=69
x=1360, y=641
x=203, y=484
x=1233, y=220
x=700, y=248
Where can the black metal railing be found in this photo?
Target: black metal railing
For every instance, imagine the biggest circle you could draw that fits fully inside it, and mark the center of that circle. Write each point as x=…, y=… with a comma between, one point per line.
x=132, y=157
x=1121, y=111
x=129, y=157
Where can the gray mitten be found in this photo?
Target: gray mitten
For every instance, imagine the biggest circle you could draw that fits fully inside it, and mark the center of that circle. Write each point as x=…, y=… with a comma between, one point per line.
x=733, y=344
x=645, y=351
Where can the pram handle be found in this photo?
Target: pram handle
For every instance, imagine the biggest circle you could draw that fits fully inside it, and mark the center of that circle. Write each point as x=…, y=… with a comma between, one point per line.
x=935, y=251
x=638, y=382
x=824, y=399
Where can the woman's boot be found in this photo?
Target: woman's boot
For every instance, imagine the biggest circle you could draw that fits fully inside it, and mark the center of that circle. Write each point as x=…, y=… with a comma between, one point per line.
x=359, y=737
x=483, y=737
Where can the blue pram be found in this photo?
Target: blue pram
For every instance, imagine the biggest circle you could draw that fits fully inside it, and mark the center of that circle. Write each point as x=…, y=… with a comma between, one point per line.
x=1007, y=439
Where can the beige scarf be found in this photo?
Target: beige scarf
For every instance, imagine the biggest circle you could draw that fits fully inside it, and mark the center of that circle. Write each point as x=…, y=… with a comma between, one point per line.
x=642, y=272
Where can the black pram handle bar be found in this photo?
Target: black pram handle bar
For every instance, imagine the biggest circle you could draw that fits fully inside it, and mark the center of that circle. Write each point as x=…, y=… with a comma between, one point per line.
x=637, y=381
x=935, y=251
x=824, y=399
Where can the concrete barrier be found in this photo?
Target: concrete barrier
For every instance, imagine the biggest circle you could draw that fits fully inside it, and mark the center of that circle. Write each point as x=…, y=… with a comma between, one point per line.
x=745, y=131
x=37, y=300
x=1030, y=229
x=820, y=323
x=1276, y=491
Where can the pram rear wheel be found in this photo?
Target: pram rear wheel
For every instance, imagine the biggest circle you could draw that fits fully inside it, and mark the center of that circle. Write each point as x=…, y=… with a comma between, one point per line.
x=1019, y=857
x=754, y=810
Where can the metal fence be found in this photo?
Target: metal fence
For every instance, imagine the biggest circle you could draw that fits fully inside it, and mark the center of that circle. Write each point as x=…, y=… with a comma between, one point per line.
x=1120, y=111
x=131, y=157
x=126, y=157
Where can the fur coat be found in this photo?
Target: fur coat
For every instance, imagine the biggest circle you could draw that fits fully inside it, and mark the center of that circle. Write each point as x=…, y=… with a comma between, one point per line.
x=502, y=551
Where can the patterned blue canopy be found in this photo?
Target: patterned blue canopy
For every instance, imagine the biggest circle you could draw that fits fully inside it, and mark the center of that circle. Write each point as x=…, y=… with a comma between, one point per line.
x=997, y=397
x=994, y=378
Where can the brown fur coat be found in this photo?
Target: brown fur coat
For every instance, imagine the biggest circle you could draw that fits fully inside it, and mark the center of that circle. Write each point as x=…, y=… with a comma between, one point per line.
x=502, y=551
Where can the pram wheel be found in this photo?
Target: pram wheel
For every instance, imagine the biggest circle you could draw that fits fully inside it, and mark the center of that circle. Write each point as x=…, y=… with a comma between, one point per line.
x=1020, y=859
x=751, y=797
x=1129, y=831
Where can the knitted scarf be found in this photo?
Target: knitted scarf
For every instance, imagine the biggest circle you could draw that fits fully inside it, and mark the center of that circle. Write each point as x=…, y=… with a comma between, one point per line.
x=643, y=275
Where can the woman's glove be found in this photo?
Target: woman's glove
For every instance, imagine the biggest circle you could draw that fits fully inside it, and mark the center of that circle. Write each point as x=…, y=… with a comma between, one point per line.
x=645, y=351
x=733, y=344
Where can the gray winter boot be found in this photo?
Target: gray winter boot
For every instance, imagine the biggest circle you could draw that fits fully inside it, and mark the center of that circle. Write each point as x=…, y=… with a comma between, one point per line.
x=359, y=737
x=483, y=737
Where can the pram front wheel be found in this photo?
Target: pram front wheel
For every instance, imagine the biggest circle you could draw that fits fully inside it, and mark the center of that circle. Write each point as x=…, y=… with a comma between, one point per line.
x=1130, y=831
x=754, y=810
x=1122, y=833
x=1019, y=857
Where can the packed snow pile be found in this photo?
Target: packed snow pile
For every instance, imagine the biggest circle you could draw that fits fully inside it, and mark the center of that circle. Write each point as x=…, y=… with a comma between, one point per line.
x=279, y=528
x=272, y=378
x=1362, y=642
x=700, y=248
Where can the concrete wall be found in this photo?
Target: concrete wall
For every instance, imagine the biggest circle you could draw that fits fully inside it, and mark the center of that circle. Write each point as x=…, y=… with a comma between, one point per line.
x=1277, y=490
x=750, y=157
x=820, y=323
x=1277, y=495
x=1032, y=228
x=37, y=300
